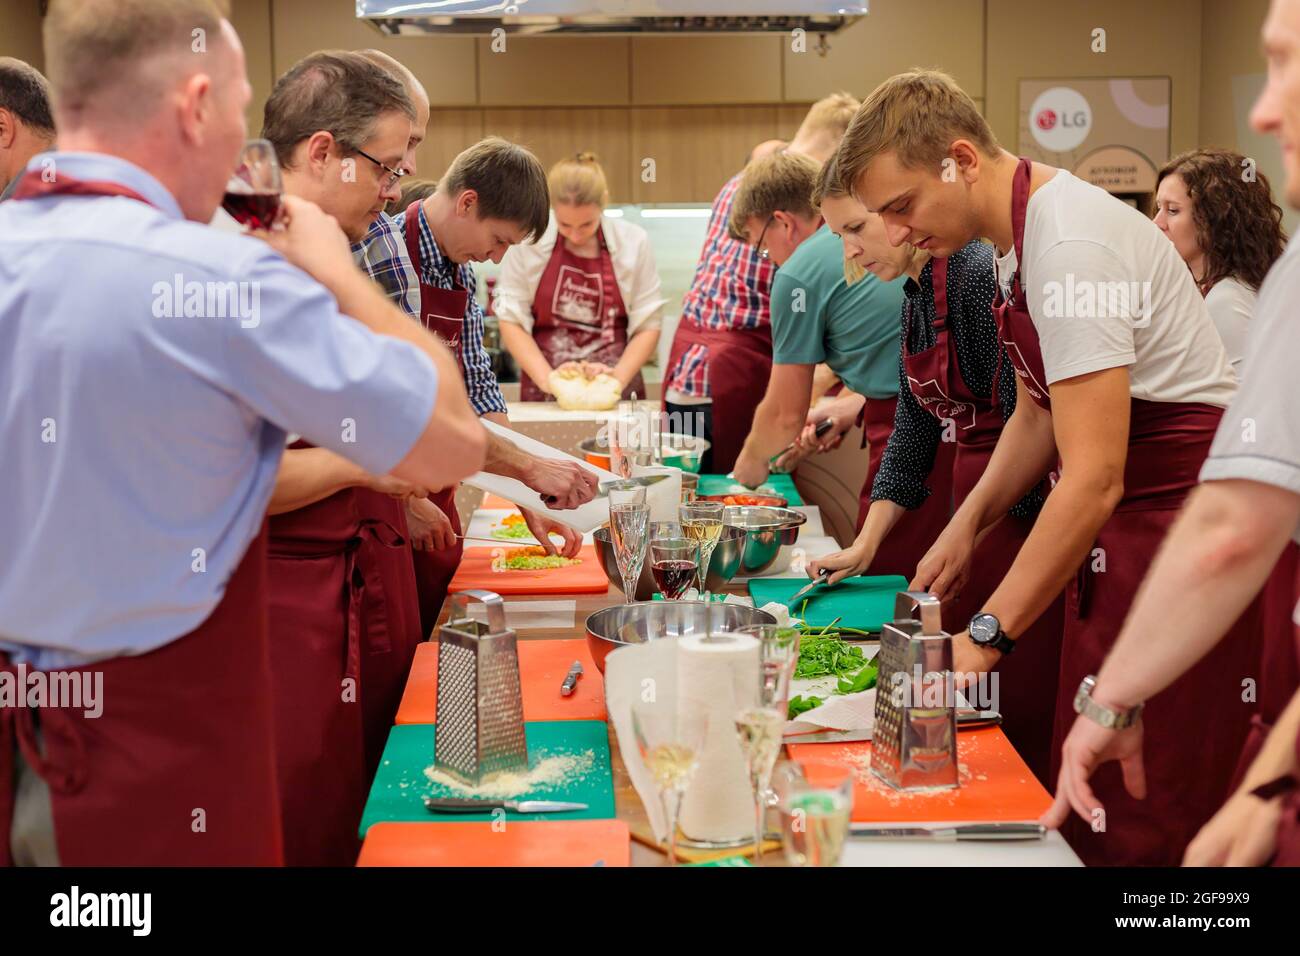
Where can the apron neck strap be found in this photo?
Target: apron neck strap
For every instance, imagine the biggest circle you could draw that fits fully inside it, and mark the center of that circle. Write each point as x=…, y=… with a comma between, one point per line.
x=33, y=185
x=1019, y=203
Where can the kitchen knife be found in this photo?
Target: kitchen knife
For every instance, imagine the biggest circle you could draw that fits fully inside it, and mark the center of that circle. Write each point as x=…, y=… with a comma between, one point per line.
x=645, y=481
x=968, y=720
x=456, y=805
x=982, y=832
x=822, y=428
x=571, y=679
x=822, y=575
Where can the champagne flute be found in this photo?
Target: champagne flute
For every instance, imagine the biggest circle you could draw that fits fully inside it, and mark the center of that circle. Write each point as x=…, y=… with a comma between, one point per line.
x=670, y=735
x=816, y=801
x=627, y=531
x=702, y=522
x=762, y=700
x=253, y=191
x=675, y=564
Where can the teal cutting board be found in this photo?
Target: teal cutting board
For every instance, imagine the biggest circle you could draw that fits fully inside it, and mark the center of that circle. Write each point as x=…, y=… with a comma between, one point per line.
x=782, y=485
x=400, y=784
x=862, y=602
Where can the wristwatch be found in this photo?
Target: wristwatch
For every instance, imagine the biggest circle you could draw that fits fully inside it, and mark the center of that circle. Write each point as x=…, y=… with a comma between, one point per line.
x=1099, y=713
x=986, y=631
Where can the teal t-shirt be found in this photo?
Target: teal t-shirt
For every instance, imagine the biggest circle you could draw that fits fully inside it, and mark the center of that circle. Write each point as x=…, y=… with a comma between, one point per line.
x=818, y=317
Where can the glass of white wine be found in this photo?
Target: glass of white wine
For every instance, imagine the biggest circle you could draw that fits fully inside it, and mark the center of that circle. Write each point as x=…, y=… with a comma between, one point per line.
x=816, y=801
x=762, y=699
x=670, y=734
x=702, y=522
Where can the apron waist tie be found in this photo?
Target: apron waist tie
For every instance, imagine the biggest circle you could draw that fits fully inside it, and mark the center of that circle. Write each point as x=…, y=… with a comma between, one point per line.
x=17, y=724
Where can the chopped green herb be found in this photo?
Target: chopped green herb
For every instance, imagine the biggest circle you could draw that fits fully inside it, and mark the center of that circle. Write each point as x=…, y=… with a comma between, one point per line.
x=801, y=704
x=821, y=656
x=864, y=679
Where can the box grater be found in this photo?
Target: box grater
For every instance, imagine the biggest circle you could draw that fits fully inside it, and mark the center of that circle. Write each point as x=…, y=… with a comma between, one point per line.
x=914, y=739
x=480, y=707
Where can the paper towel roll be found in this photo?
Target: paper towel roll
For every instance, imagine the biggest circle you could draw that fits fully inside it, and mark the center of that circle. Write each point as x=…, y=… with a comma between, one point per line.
x=719, y=806
x=663, y=497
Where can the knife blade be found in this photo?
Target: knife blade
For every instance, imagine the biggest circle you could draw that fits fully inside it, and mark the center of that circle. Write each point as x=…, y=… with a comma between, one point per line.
x=822, y=575
x=969, y=720
x=571, y=679
x=645, y=481
x=463, y=805
x=975, y=832
x=822, y=428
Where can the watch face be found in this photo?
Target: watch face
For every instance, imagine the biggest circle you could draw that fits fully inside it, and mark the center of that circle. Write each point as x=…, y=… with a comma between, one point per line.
x=984, y=628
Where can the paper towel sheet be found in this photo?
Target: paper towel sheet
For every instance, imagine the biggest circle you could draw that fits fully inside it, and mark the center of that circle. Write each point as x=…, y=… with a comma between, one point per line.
x=631, y=673
x=585, y=518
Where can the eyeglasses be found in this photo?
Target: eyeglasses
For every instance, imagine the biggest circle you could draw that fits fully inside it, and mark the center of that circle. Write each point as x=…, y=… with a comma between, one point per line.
x=394, y=175
x=762, y=253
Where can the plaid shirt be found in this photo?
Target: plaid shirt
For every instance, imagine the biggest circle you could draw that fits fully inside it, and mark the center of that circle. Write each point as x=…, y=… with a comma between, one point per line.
x=382, y=253
x=730, y=291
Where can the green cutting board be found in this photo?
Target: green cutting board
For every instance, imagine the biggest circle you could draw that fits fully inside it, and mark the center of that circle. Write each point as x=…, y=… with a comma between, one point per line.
x=782, y=485
x=400, y=784
x=862, y=602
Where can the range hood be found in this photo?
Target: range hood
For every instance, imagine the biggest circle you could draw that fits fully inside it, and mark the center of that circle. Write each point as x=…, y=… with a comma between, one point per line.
x=594, y=17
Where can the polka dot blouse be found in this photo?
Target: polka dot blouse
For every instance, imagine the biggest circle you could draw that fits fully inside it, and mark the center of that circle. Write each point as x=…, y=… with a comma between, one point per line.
x=909, y=456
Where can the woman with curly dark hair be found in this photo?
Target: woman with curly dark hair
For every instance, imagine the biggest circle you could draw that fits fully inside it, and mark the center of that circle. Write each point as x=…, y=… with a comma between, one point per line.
x=1218, y=211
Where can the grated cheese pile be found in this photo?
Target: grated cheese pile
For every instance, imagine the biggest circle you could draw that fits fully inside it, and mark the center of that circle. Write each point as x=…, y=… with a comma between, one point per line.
x=548, y=773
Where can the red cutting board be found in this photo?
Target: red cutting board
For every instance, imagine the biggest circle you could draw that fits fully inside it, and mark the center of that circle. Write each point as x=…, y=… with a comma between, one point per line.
x=995, y=784
x=522, y=843
x=475, y=571
x=542, y=666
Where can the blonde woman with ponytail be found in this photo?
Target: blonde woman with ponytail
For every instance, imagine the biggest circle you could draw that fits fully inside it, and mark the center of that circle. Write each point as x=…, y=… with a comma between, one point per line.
x=586, y=294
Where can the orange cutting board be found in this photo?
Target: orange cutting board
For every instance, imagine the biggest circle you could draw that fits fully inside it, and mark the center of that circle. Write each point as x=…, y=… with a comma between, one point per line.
x=522, y=843
x=995, y=784
x=542, y=666
x=494, y=502
x=475, y=571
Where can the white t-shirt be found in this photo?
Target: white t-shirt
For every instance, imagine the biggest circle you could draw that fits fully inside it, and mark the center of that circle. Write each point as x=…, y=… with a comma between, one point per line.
x=1107, y=290
x=1231, y=303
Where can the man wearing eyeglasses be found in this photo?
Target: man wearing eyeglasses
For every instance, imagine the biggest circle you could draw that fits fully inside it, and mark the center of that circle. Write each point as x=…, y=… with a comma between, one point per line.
x=342, y=595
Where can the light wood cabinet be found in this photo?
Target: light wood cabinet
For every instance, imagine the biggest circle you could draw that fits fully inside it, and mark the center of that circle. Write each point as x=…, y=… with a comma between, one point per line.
x=697, y=70
x=555, y=133
x=554, y=71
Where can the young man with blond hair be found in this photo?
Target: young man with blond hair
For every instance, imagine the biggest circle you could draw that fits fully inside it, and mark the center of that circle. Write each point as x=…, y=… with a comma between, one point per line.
x=722, y=350
x=1121, y=375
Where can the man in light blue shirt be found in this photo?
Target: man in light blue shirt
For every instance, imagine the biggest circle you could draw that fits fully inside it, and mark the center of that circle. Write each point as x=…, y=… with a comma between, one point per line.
x=152, y=368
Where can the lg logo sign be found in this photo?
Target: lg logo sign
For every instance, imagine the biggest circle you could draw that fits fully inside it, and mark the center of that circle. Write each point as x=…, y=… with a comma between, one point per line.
x=1060, y=119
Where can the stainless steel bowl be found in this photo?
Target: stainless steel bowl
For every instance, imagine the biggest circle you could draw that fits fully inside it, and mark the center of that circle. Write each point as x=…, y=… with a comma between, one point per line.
x=624, y=624
x=723, y=566
x=766, y=530
x=682, y=451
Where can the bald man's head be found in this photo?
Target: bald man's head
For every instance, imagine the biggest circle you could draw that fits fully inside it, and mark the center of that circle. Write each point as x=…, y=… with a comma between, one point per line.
x=419, y=97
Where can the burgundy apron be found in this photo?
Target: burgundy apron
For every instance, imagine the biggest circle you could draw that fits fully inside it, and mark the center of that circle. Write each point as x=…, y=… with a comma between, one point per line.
x=442, y=312
x=179, y=769
x=390, y=610
x=909, y=539
x=1195, y=728
x=344, y=617
x=591, y=325
x=1027, y=678
x=740, y=364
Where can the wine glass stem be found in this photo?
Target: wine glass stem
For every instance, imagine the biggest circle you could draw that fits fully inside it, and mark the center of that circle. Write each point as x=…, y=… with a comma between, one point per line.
x=672, y=800
x=629, y=589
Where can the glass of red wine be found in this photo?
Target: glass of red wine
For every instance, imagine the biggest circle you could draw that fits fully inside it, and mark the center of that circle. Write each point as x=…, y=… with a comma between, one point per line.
x=253, y=193
x=675, y=563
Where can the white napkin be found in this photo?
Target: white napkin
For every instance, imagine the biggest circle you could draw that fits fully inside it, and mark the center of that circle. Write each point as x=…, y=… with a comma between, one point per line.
x=585, y=518
x=633, y=673
x=846, y=712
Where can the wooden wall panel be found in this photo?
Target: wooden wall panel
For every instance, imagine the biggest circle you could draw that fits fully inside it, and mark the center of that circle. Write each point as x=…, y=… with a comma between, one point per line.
x=554, y=71
x=695, y=149
x=556, y=133
x=694, y=70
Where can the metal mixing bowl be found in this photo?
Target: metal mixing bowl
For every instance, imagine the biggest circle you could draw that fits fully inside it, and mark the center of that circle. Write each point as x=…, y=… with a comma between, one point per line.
x=623, y=624
x=723, y=566
x=766, y=530
x=682, y=451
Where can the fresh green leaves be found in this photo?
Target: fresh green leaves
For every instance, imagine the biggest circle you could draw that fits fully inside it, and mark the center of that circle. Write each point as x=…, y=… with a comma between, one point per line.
x=801, y=704
x=864, y=679
x=822, y=656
